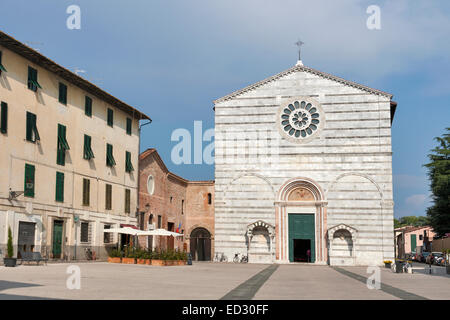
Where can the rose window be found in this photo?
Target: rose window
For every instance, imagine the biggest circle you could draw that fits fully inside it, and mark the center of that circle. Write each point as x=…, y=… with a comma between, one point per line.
x=300, y=119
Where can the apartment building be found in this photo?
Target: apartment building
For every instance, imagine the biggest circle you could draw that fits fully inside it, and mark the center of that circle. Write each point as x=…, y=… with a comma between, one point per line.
x=68, y=158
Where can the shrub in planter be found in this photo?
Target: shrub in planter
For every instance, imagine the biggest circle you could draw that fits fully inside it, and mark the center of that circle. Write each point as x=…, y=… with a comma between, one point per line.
x=9, y=261
x=115, y=256
x=142, y=257
x=129, y=256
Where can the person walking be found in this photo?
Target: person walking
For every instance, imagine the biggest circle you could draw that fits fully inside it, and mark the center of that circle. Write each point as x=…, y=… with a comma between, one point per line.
x=308, y=255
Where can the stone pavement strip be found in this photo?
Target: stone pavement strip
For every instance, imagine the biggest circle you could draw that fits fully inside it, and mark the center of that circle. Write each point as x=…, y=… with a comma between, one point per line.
x=396, y=292
x=248, y=289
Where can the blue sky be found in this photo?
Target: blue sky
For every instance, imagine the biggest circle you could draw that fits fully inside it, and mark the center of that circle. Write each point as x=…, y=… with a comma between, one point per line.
x=171, y=59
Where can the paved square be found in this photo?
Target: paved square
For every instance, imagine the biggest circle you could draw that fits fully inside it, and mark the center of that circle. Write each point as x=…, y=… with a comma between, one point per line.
x=201, y=281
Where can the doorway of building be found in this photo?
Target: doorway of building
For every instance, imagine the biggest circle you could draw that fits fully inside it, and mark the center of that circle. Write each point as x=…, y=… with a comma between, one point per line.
x=200, y=244
x=170, y=240
x=25, y=239
x=57, y=238
x=301, y=247
x=301, y=237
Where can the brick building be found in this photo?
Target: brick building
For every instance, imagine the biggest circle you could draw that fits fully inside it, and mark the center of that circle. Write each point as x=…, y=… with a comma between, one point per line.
x=168, y=201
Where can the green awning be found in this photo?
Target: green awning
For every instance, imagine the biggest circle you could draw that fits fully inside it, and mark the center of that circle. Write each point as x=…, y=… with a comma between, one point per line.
x=2, y=68
x=129, y=166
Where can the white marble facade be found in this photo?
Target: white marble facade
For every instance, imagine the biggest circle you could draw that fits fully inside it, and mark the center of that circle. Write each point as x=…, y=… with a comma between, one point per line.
x=304, y=142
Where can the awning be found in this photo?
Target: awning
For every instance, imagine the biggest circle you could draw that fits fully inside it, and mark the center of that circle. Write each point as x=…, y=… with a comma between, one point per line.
x=126, y=230
x=159, y=232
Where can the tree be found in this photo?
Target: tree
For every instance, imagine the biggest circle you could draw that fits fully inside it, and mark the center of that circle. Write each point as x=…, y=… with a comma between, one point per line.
x=10, y=249
x=439, y=175
x=414, y=221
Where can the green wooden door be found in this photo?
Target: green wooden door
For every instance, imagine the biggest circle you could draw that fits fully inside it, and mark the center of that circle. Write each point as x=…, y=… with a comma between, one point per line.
x=413, y=243
x=57, y=238
x=301, y=226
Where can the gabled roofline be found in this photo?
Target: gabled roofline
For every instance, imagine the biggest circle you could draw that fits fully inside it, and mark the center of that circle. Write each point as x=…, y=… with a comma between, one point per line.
x=169, y=174
x=304, y=69
x=32, y=55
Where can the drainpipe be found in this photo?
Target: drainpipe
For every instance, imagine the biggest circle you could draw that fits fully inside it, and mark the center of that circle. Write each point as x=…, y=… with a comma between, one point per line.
x=139, y=168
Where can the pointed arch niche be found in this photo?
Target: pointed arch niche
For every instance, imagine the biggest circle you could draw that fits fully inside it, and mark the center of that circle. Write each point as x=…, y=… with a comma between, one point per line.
x=295, y=197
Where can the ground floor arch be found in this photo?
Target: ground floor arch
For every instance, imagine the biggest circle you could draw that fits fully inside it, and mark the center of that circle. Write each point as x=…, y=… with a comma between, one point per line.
x=200, y=244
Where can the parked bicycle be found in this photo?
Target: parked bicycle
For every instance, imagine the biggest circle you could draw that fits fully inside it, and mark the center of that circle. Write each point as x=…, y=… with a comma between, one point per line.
x=88, y=253
x=240, y=259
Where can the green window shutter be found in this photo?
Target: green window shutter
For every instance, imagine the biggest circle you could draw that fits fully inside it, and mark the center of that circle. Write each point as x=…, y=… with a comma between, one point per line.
x=59, y=187
x=88, y=106
x=62, y=93
x=110, y=117
x=108, y=197
x=88, y=154
x=33, y=84
x=129, y=126
x=32, y=131
x=128, y=164
x=2, y=68
x=4, y=117
x=29, y=180
x=109, y=155
x=127, y=200
x=86, y=191
x=62, y=145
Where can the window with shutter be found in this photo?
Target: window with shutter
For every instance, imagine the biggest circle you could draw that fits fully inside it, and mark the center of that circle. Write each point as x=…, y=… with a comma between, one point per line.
x=32, y=132
x=88, y=106
x=109, y=156
x=127, y=200
x=2, y=68
x=29, y=180
x=33, y=83
x=84, y=230
x=62, y=145
x=108, y=195
x=59, y=187
x=4, y=117
x=110, y=117
x=88, y=153
x=129, y=126
x=128, y=164
x=86, y=191
x=62, y=93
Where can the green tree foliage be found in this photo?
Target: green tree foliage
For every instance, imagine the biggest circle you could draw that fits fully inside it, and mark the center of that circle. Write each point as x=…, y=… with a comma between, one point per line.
x=411, y=221
x=439, y=175
x=10, y=249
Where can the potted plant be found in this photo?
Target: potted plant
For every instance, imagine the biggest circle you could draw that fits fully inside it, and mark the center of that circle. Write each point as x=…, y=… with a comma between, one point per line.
x=157, y=258
x=387, y=263
x=9, y=261
x=129, y=256
x=142, y=257
x=115, y=256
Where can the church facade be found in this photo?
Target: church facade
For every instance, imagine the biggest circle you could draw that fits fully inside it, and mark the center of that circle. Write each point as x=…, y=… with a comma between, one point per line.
x=303, y=171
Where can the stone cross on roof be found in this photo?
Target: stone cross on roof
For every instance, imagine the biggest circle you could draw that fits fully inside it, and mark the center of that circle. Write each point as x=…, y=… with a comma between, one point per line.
x=299, y=44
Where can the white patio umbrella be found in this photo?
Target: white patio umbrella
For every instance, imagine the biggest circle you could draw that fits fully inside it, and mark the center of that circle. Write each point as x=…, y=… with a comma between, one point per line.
x=125, y=230
x=160, y=232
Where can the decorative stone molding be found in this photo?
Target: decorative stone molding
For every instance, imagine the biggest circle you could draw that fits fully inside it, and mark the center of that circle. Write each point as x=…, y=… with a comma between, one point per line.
x=299, y=68
x=342, y=226
x=260, y=223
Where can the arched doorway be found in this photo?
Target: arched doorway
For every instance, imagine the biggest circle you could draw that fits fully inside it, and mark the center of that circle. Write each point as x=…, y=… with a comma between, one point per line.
x=300, y=225
x=200, y=244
